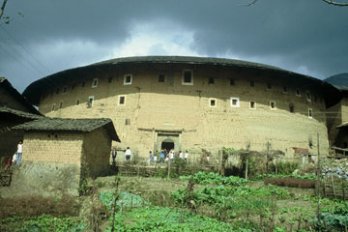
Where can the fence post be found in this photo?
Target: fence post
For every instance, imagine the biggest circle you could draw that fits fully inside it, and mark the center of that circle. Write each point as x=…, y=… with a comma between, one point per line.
x=169, y=161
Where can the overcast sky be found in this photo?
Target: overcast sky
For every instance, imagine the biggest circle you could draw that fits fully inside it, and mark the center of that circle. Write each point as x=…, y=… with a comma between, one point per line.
x=47, y=36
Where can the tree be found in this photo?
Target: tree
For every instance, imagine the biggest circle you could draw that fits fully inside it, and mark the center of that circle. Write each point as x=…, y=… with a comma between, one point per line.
x=337, y=3
x=2, y=9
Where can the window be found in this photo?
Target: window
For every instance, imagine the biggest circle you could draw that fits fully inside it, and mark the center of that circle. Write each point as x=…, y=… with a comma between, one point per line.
x=252, y=105
x=211, y=80
x=187, y=77
x=298, y=93
x=60, y=105
x=94, y=82
x=232, y=82
x=252, y=83
x=269, y=86
x=127, y=121
x=235, y=102
x=90, y=101
x=310, y=113
x=121, y=100
x=308, y=96
x=285, y=89
x=77, y=102
x=127, y=79
x=161, y=78
x=272, y=104
x=65, y=89
x=53, y=107
x=212, y=102
x=291, y=108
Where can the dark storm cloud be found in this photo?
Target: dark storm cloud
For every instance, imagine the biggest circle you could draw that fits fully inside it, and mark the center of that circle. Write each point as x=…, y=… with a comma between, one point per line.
x=306, y=36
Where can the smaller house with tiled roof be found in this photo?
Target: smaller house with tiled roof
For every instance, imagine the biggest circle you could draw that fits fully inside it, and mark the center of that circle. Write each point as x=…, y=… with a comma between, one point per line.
x=337, y=115
x=14, y=110
x=59, y=154
x=11, y=98
x=9, y=138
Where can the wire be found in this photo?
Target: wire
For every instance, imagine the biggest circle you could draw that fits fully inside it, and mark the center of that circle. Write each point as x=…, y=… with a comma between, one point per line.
x=37, y=65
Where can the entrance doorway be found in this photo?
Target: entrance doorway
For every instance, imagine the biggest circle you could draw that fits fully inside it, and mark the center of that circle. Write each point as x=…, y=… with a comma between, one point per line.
x=167, y=144
x=168, y=140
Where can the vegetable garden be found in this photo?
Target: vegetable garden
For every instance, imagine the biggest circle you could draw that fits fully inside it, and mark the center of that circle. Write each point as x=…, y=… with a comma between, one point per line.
x=203, y=201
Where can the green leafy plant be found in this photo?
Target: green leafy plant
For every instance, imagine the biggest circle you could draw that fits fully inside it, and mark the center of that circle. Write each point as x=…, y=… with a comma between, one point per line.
x=215, y=178
x=44, y=223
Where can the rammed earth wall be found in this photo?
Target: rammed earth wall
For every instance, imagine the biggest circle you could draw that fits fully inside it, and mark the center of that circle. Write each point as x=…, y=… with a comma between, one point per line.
x=54, y=163
x=152, y=108
x=96, y=147
x=51, y=162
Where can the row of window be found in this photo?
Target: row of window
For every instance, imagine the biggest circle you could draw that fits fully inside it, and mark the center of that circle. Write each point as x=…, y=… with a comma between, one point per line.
x=234, y=102
x=90, y=101
x=187, y=79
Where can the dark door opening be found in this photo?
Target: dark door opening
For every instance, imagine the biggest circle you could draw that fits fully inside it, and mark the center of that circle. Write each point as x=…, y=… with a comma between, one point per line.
x=168, y=145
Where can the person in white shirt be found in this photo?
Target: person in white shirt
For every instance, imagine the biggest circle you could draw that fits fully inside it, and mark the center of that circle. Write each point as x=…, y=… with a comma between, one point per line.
x=128, y=154
x=171, y=154
x=181, y=155
x=19, y=152
x=186, y=154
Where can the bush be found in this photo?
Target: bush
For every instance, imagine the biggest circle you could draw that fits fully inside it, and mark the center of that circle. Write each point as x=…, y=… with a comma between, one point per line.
x=214, y=178
x=44, y=223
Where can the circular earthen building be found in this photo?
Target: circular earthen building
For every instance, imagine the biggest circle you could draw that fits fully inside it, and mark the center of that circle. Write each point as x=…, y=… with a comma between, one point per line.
x=192, y=103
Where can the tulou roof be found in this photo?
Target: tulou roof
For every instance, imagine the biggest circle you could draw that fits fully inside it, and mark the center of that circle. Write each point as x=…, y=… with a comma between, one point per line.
x=35, y=89
x=340, y=81
x=66, y=124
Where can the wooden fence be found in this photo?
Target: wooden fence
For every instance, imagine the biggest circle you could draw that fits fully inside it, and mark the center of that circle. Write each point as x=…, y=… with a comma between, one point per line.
x=160, y=170
x=5, y=177
x=334, y=187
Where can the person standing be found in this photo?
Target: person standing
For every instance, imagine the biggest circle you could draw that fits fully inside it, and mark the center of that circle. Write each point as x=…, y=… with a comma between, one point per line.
x=186, y=154
x=181, y=155
x=162, y=156
x=150, y=157
x=171, y=154
x=19, y=152
x=128, y=154
x=113, y=156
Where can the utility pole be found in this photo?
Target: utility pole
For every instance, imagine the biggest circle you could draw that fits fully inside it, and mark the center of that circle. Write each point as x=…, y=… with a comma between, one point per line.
x=318, y=185
x=2, y=9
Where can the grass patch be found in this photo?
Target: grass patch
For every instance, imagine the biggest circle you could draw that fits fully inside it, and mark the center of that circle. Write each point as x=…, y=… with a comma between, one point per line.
x=43, y=223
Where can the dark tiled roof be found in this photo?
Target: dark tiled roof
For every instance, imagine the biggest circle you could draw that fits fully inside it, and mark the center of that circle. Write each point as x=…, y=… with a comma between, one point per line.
x=340, y=81
x=187, y=60
x=6, y=110
x=35, y=89
x=343, y=125
x=66, y=124
x=4, y=83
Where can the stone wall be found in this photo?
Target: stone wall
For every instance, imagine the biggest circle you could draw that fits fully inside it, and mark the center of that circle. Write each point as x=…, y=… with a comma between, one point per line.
x=152, y=107
x=47, y=179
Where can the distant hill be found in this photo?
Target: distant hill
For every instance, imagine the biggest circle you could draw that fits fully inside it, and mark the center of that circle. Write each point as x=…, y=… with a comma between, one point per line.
x=340, y=81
